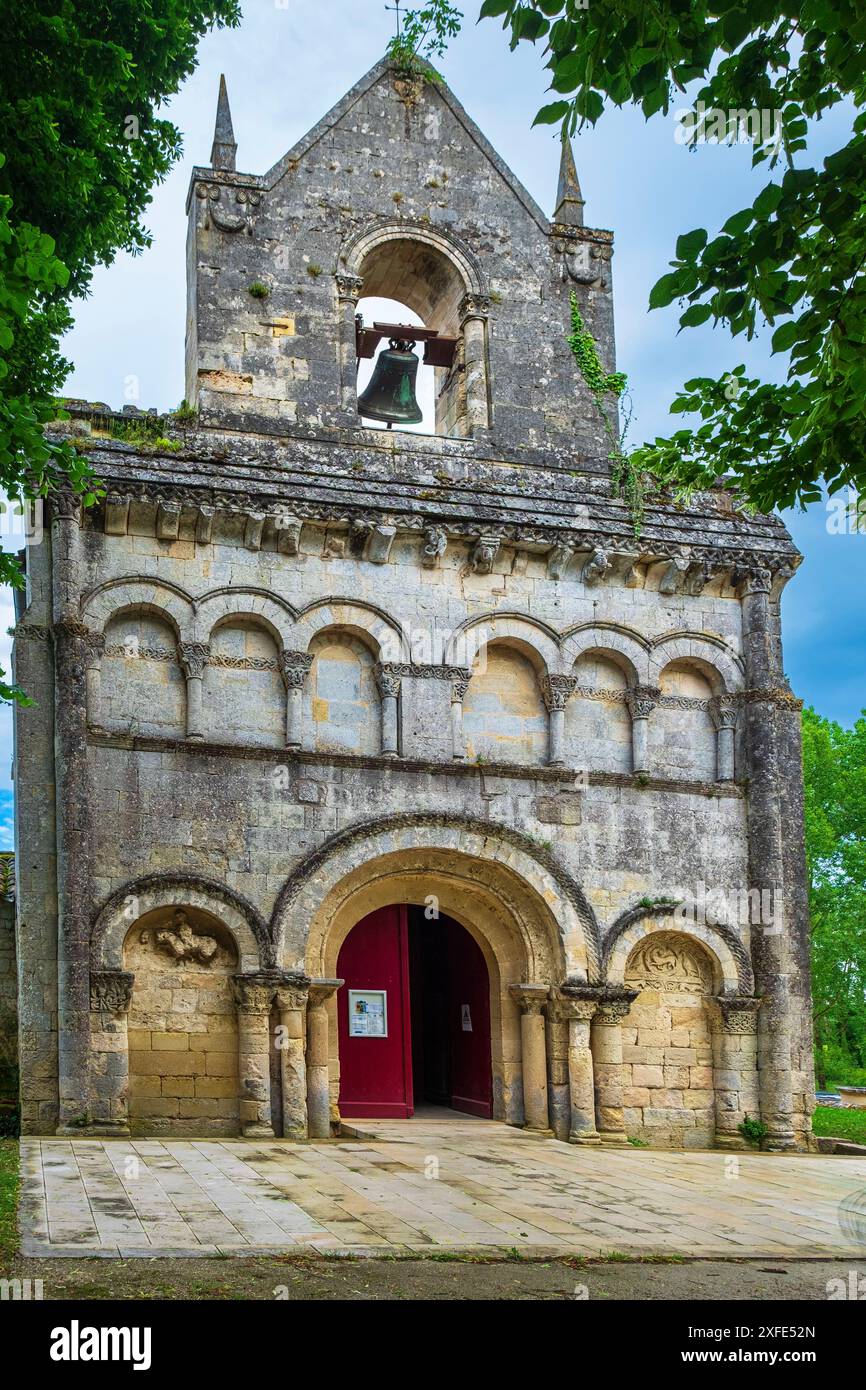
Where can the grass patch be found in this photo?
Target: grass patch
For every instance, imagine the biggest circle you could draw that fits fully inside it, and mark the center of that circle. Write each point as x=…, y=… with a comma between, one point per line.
x=8, y=1201
x=840, y=1124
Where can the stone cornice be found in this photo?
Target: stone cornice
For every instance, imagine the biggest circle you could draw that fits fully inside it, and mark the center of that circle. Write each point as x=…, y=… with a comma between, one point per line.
x=299, y=758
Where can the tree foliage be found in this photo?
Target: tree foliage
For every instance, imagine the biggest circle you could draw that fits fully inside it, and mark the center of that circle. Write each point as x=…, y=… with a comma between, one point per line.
x=834, y=764
x=793, y=260
x=81, y=146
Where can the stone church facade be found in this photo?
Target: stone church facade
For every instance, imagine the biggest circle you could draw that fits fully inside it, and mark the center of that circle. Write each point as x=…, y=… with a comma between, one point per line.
x=292, y=671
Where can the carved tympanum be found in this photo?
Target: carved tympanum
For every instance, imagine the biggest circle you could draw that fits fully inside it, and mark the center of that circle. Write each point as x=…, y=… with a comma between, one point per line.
x=666, y=961
x=182, y=943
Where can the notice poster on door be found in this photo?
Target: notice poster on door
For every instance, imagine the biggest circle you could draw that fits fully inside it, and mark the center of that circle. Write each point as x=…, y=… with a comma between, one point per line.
x=368, y=1013
x=465, y=1018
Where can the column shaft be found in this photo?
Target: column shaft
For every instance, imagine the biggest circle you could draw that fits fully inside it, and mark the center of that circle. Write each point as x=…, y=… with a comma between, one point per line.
x=318, y=1058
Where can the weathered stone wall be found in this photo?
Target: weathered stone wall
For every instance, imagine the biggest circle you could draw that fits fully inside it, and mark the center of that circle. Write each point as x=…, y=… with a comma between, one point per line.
x=407, y=154
x=304, y=669
x=8, y=1004
x=182, y=1030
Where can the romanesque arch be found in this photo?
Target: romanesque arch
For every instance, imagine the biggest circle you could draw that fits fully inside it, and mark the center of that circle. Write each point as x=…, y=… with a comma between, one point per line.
x=126, y=905
x=533, y=927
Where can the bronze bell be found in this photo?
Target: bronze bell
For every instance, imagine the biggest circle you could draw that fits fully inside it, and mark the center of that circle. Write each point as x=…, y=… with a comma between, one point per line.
x=390, y=393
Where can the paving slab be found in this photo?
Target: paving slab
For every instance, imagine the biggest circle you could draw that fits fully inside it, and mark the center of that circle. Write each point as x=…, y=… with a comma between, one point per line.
x=425, y=1186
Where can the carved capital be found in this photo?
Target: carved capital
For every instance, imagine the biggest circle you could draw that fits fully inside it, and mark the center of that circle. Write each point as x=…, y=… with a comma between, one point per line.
x=111, y=991
x=613, y=1011
x=291, y=998
x=66, y=505
x=349, y=286
x=321, y=990
x=642, y=700
x=754, y=581
x=557, y=690
x=94, y=646
x=193, y=657
x=254, y=993
x=735, y=1013
x=460, y=678
x=563, y=1009
x=294, y=666
x=474, y=306
x=724, y=710
x=387, y=679
x=530, y=998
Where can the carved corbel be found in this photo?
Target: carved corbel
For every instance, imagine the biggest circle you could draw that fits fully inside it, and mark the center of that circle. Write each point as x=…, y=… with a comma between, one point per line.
x=596, y=567
x=288, y=529
x=253, y=528
x=379, y=542
x=435, y=545
x=167, y=521
x=675, y=573
x=116, y=514
x=558, y=560
x=204, y=525
x=484, y=553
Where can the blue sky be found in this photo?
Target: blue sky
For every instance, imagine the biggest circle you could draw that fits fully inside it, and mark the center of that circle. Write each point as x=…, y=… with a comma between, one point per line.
x=286, y=65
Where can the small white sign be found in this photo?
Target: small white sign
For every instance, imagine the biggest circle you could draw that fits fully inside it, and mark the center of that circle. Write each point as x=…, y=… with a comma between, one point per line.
x=368, y=1013
x=465, y=1018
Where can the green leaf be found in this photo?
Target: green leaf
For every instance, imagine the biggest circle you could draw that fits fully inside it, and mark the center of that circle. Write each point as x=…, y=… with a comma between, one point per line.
x=690, y=244
x=695, y=315
x=665, y=290
x=551, y=114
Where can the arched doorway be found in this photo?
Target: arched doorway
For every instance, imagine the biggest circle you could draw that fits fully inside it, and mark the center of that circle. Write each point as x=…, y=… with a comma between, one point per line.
x=413, y=1016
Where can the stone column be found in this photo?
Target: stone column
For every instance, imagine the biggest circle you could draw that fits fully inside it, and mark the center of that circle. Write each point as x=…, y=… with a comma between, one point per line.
x=254, y=994
x=193, y=657
x=291, y=1000
x=641, y=703
x=559, y=1095
x=108, y=1091
x=531, y=1000
x=459, y=685
x=319, y=1058
x=74, y=814
x=557, y=691
x=579, y=1010
x=389, y=690
x=723, y=709
x=95, y=646
x=767, y=836
x=606, y=1047
x=295, y=666
x=734, y=1021
x=349, y=289
x=474, y=309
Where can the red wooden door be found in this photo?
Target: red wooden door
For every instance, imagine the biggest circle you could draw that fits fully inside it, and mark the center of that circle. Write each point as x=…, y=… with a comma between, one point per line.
x=375, y=1069
x=471, y=1081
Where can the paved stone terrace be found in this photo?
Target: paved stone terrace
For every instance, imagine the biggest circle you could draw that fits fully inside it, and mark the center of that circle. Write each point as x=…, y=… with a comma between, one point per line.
x=496, y=1189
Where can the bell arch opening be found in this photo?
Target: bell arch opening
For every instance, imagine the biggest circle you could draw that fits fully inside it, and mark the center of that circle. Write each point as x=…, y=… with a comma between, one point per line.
x=373, y=309
x=419, y=280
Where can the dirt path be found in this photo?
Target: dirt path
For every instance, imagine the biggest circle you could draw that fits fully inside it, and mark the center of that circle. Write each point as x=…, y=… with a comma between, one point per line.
x=435, y=1279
